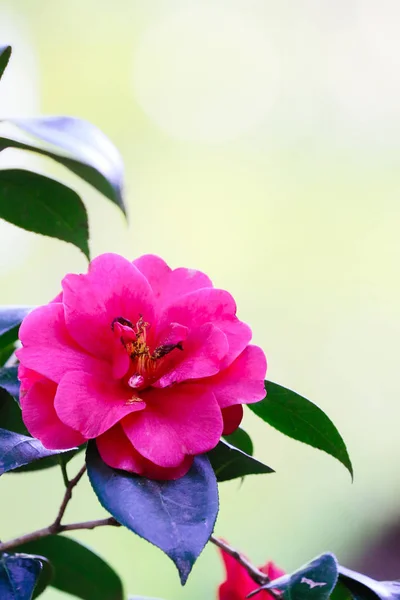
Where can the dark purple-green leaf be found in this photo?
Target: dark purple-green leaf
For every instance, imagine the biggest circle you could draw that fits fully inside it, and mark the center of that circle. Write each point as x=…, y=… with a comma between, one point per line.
x=43, y=205
x=176, y=516
x=17, y=450
x=301, y=420
x=9, y=381
x=229, y=462
x=314, y=581
x=19, y=574
x=77, y=569
x=79, y=146
x=363, y=587
x=10, y=320
x=5, y=54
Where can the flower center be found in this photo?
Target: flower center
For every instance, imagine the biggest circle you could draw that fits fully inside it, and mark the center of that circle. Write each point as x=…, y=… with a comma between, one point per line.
x=144, y=365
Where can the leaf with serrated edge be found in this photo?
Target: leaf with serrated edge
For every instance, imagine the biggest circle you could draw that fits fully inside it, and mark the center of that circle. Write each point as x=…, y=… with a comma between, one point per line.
x=176, y=516
x=301, y=420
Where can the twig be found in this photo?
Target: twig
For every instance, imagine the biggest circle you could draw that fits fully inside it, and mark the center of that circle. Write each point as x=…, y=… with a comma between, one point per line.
x=64, y=470
x=56, y=526
x=256, y=575
x=51, y=530
x=67, y=497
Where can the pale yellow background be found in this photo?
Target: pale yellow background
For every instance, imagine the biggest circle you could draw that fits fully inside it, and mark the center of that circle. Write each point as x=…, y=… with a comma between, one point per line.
x=261, y=143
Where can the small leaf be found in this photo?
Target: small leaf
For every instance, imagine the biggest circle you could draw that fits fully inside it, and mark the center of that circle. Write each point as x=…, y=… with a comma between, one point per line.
x=9, y=381
x=176, y=516
x=363, y=587
x=301, y=420
x=43, y=205
x=229, y=462
x=77, y=570
x=19, y=574
x=240, y=439
x=79, y=146
x=17, y=450
x=314, y=581
x=10, y=320
x=5, y=54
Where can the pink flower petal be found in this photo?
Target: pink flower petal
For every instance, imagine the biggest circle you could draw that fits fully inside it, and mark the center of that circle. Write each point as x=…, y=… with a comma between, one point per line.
x=91, y=405
x=49, y=349
x=232, y=416
x=168, y=285
x=180, y=420
x=117, y=452
x=201, y=356
x=243, y=381
x=41, y=418
x=112, y=288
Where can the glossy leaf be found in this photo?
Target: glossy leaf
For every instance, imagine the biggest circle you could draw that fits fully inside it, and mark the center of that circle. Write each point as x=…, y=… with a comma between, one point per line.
x=229, y=462
x=19, y=574
x=5, y=54
x=43, y=205
x=10, y=320
x=301, y=420
x=176, y=516
x=314, y=581
x=363, y=587
x=77, y=570
x=79, y=146
x=9, y=381
x=240, y=439
x=17, y=450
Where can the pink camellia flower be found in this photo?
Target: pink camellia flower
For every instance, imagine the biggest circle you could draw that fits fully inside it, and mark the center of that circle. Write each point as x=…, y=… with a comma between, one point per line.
x=239, y=584
x=151, y=362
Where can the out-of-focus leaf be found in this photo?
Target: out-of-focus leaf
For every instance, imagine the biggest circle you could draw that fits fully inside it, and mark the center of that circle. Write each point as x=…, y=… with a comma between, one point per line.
x=5, y=54
x=314, y=581
x=10, y=320
x=17, y=450
x=301, y=420
x=19, y=574
x=6, y=353
x=77, y=570
x=77, y=145
x=240, y=439
x=229, y=462
x=341, y=592
x=43, y=205
x=363, y=587
x=176, y=516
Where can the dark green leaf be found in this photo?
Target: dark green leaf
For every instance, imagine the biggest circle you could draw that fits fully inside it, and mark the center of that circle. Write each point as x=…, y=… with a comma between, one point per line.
x=19, y=574
x=17, y=450
x=10, y=320
x=240, y=439
x=42, y=205
x=5, y=54
x=301, y=420
x=79, y=146
x=229, y=462
x=77, y=570
x=45, y=577
x=341, y=592
x=363, y=587
x=314, y=581
x=10, y=414
x=176, y=516
x=6, y=353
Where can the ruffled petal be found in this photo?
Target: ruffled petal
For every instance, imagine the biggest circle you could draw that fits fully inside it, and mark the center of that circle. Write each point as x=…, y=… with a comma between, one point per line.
x=238, y=582
x=243, y=381
x=49, y=349
x=91, y=405
x=201, y=356
x=180, y=420
x=168, y=284
x=41, y=420
x=112, y=288
x=117, y=452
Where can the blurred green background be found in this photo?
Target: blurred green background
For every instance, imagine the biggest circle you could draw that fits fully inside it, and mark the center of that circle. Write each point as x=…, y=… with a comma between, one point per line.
x=261, y=143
